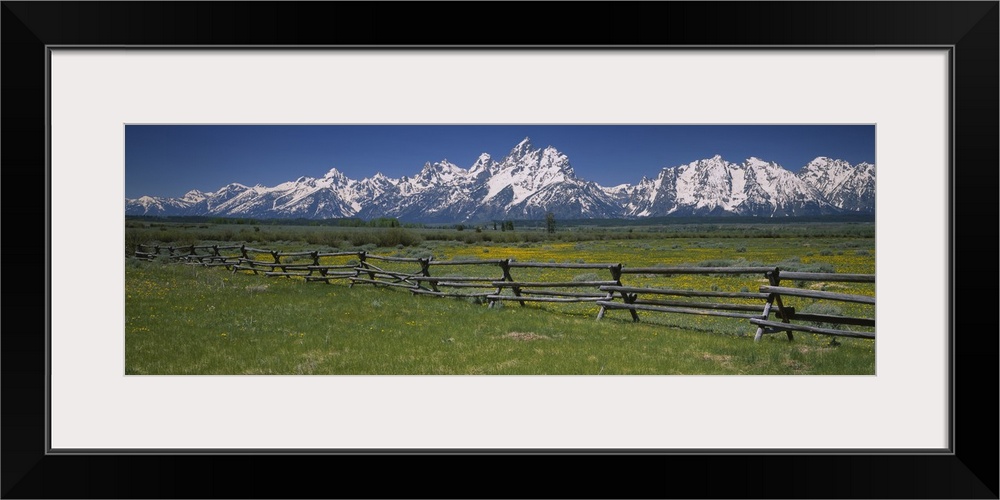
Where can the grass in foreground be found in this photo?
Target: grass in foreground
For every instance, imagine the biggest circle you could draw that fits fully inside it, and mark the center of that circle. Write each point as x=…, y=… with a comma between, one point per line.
x=183, y=319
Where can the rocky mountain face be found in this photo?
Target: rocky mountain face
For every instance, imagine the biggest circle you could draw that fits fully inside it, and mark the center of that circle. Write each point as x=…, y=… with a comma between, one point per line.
x=529, y=182
x=844, y=186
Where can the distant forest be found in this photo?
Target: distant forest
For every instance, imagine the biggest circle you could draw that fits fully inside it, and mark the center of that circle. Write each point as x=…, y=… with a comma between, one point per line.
x=519, y=223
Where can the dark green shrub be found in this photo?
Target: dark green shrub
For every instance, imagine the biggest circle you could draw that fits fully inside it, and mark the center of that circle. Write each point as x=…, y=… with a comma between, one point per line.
x=716, y=263
x=132, y=240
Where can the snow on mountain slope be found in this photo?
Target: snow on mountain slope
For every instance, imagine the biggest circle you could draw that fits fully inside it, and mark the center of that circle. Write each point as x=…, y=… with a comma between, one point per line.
x=707, y=185
x=772, y=191
x=527, y=170
x=845, y=186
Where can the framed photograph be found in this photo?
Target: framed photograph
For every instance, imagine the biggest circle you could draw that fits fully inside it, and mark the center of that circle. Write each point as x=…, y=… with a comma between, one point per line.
x=928, y=86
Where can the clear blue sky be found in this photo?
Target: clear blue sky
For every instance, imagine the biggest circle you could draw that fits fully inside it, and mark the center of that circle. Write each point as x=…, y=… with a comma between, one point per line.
x=170, y=160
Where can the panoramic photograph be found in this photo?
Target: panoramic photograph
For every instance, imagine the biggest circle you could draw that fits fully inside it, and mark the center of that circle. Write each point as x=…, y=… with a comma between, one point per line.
x=500, y=249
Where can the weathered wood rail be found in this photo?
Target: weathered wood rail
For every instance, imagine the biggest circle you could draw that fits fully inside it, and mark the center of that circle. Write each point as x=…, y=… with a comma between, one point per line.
x=498, y=286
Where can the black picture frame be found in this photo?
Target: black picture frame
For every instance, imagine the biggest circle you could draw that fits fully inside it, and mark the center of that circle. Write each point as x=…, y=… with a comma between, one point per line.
x=969, y=470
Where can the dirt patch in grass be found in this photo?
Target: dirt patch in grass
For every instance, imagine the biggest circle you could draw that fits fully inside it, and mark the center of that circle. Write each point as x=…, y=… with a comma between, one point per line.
x=311, y=360
x=797, y=367
x=510, y=363
x=803, y=349
x=723, y=360
x=258, y=371
x=525, y=336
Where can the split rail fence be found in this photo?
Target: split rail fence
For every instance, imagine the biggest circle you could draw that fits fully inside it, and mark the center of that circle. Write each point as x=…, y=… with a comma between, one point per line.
x=414, y=275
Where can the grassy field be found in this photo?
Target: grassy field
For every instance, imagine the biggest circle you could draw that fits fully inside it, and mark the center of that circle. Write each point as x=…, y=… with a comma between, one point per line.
x=188, y=319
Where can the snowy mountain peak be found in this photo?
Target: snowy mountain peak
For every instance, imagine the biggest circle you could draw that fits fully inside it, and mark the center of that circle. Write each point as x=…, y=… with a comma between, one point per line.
x=483, y=164
x=823, y=161
x=843, y=185
x=193, y=196
x=336, y=179
x=753, y=161
x=552, y=158
x=441, y=166
x=715, y=163
x=233, y=186
x=335, y=174
x=523, y=148
x=442, y=172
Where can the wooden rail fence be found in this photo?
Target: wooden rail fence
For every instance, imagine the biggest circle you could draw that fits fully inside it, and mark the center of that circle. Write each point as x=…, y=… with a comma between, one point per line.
x=775, y=292
x=414, y=274
x=653, y=298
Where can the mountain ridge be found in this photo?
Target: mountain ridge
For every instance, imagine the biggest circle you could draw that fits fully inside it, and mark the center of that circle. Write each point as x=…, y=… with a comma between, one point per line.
x=529, y=182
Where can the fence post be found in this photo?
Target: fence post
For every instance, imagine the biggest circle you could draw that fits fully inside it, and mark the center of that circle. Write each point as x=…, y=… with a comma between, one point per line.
x=506, y=276
x=616, y=274
x=425, y=270
x=363, y=264
x=243, y=256
x=505, y=266
x=628, y=298
x=315, y=258
x=277, y=260
x=774, y=278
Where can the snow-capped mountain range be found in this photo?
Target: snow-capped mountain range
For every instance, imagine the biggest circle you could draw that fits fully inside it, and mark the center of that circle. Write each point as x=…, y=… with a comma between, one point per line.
x=529, y=182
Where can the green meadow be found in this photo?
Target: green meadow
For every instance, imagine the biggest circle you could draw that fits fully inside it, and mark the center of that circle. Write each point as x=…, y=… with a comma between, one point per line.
x=187, y=319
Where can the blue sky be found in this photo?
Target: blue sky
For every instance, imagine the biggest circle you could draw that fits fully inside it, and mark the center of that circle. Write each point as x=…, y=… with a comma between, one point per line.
x=170, y=160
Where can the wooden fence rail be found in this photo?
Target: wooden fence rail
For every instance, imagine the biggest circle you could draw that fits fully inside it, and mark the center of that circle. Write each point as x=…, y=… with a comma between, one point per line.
x=697, y=270
x=413, y=274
